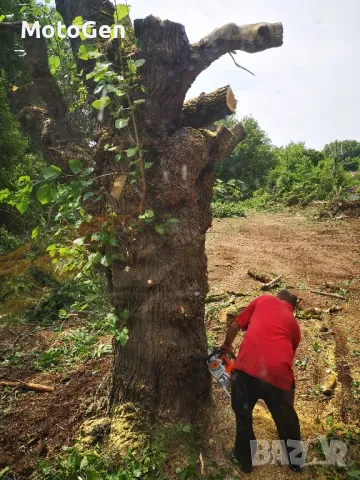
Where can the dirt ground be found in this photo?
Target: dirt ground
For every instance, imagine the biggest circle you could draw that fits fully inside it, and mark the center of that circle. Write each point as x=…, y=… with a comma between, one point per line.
x=309, y=254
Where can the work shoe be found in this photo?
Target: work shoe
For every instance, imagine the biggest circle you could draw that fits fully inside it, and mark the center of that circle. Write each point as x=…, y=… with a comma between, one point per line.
x=295, y=468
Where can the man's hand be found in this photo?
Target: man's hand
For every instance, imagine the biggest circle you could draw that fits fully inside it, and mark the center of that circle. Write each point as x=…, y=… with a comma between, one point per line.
x=228, y=349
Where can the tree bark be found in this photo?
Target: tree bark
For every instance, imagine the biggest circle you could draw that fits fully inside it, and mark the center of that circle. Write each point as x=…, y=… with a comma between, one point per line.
x=161, y=274
x=203, y=111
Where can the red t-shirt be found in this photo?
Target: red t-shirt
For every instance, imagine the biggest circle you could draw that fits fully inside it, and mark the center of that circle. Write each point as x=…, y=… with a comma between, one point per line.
x=272, y=337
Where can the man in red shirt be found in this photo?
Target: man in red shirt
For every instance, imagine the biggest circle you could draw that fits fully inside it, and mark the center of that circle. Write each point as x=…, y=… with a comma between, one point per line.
x=263, y=369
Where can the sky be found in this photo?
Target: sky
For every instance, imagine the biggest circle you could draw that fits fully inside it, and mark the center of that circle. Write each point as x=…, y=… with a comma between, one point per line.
x=308, y=89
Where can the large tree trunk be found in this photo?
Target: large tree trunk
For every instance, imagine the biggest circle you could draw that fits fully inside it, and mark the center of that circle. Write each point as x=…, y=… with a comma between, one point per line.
x=161, y=275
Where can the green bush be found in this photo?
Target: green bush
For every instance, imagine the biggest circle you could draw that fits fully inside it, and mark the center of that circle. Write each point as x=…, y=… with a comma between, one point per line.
x=222, y=210
x=296, y=180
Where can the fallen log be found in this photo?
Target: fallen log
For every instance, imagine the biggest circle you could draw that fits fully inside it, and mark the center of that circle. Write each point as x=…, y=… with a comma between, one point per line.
x=204, y=110
x=261, y=277
x=273, y=283
x=27, y=386
x=327, y=294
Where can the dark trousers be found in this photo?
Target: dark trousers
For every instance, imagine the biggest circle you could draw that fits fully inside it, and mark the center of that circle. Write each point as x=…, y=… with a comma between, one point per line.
x=245, y=392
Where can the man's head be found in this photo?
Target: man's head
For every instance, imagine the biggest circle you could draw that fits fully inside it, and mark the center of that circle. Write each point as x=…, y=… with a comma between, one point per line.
x=288, y=297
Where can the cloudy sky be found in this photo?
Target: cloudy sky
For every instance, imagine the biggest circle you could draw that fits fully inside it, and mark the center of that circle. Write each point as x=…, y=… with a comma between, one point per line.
x=308, y=89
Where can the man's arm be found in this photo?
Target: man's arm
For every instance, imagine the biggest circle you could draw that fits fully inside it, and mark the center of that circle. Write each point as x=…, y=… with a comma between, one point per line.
x=230, y=337
x=240, y=322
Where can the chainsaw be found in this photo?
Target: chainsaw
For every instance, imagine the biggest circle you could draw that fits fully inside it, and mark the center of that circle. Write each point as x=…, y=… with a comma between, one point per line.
x=220, y=366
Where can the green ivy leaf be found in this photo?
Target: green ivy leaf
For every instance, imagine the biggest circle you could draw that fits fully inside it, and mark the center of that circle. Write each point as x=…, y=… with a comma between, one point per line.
x=86, y=51
x=101, y=103
x=174, y=220
x=54, y=64
x=79, y=241
x=44, y=194
x=35, y=232
x=88, y=195
x=131, y=66
x=122, y=337
x=52, y=172
x=139, y=63
x=117, y=157
x=2, y=17
x=120, y=12
x=22, y=204
x=121, y=122
x=160, y=229
x=78, y=21
x=76, y=165
x=95, y=257
x=4, y=194
x=106, y=261
x=130, y=152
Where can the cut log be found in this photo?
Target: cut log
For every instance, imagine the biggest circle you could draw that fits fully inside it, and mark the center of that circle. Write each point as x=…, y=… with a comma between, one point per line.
x=272, y=284
x=261, y=277
x=327, y=294
x=206, y=109
x=27, y=386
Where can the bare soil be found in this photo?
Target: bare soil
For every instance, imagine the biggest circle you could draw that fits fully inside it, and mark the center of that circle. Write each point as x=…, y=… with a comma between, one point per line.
x=308, y=254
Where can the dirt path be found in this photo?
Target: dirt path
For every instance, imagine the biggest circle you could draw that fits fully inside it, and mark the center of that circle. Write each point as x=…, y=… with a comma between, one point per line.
x=308, y=254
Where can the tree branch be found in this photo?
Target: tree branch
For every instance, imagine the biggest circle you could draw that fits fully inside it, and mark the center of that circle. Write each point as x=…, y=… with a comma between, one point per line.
x=226, y=140
x=249, y=38
x=37, y=59
x=99, y=11
x=204, y=110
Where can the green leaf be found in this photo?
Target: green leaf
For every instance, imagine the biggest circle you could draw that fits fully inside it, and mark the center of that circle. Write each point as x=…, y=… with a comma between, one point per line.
x=88, y=195
x=79, y=241
x=22, y=205
x=95, y=257
x=139, y=63
x=52, y=172
x=160, y=229
x=2, y=17
x=101, y=103
x=44, y=194
x=174, y=220
x=130, y=152
x=148, y=165
x=121, y=122
x=78, y=21
x=86, y=51
x=117, y=157
x=120, y=12
x=149, y=214
x=76, y=165
x=131, y=66
x=84, y=463
x=4, y=194
x=54, y=64
x=35, y=232
x=106, y=261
